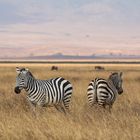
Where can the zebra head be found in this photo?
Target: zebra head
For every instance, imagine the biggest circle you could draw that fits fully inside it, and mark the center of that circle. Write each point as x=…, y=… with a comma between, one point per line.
x=116, y=78
x=21, y=79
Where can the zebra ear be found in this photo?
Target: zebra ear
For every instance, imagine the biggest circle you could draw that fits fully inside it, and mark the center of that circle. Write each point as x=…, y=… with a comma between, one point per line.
x=112, y=73
x=121, y=74
x=27, y=69
x=18, y=70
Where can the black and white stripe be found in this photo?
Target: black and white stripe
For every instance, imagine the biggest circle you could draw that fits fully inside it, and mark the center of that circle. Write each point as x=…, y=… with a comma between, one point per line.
x=55, y=91
x=103, y=92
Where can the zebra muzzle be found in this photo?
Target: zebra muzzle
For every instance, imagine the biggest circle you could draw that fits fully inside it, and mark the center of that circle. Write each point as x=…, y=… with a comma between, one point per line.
x=17, y=90
x=121, y=91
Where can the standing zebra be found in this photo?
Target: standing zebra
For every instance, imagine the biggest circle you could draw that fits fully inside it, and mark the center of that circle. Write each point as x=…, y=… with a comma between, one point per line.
x=56, y=92
x=103, y=92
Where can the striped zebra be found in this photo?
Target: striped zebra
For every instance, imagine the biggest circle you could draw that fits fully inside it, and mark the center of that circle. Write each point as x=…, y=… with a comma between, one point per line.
x=103, y=92
x=54, y=92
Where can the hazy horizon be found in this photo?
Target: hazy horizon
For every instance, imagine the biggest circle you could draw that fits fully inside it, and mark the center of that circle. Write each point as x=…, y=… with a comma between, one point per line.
x=76, y=27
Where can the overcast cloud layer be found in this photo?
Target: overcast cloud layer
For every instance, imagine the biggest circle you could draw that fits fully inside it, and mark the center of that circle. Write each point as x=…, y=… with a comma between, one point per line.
x=70, y=26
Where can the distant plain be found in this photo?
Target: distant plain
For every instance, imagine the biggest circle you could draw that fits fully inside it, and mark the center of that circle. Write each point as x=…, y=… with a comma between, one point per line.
x=18, y=122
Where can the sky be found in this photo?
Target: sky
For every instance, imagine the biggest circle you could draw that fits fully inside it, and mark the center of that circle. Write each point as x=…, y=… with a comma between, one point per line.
x=79, y=27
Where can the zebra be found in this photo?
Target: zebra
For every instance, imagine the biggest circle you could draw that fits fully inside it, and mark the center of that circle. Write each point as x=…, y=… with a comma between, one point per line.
x=99, y=68
x=54, y=92
x=54, y=68
x=103, y=92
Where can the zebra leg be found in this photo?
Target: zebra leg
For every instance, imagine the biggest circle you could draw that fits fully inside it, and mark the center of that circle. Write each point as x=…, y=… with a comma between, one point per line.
x=33, y=108
x=110, y=107
x=66, y=97
x=60, y=108
x=66, y=104
x=57, y=107
x=104, y=106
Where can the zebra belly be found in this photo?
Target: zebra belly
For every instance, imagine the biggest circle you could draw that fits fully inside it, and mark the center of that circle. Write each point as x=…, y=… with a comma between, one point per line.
x=37, y=100
x=53, y=98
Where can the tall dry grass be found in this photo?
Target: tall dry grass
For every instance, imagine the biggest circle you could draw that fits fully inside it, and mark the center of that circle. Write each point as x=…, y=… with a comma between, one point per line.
x=18, y=122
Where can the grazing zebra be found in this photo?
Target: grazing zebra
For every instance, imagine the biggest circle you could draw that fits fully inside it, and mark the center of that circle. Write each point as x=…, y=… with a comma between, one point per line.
x=103, y=92
x=54, y=68
x=54, y=92
x=99, y=68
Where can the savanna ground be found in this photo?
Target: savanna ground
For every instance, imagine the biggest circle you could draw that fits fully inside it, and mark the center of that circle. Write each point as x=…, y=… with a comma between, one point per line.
x=17, y=120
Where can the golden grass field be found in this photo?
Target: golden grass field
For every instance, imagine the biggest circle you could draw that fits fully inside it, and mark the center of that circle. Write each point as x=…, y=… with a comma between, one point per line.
x=17, y=120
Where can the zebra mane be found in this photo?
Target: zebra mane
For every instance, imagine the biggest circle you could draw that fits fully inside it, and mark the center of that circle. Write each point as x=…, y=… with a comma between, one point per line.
x=112, y=78
x=30, y=74
x=22, y=69
x=112, y=75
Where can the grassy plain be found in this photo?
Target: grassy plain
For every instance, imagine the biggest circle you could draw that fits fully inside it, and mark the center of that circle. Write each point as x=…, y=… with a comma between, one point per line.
x=18, y=122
